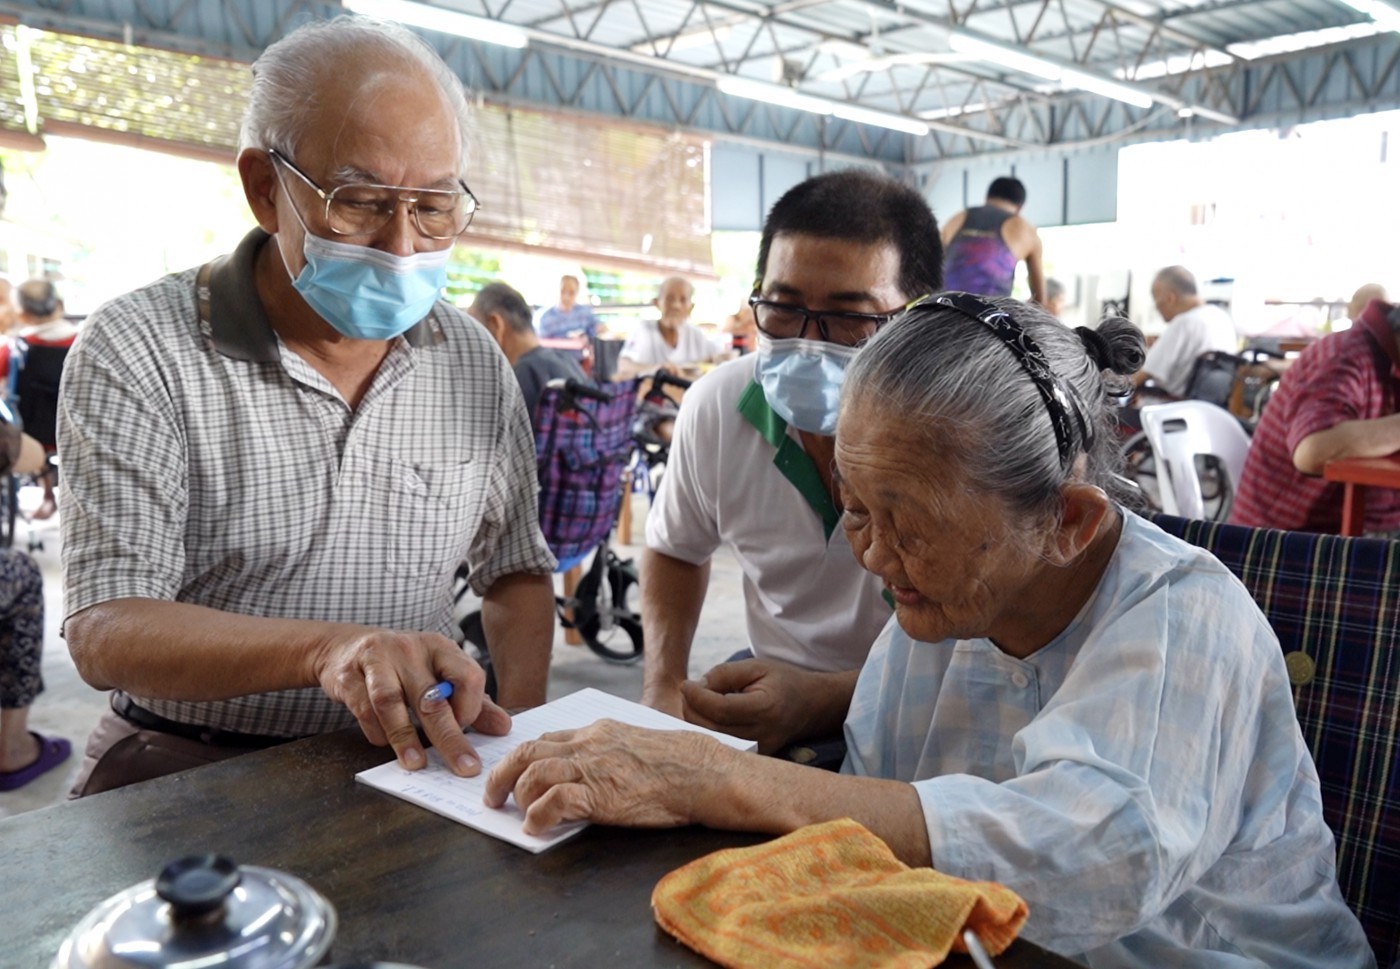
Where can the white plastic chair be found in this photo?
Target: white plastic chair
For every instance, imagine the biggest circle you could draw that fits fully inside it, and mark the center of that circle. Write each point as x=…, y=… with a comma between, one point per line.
x=1180, y=431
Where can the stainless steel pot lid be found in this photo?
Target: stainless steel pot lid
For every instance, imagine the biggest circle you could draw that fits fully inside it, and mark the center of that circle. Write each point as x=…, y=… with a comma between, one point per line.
x=205, y=911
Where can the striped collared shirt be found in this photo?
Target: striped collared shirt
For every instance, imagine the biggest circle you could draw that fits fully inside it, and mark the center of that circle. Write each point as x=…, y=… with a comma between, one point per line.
x=205, y=462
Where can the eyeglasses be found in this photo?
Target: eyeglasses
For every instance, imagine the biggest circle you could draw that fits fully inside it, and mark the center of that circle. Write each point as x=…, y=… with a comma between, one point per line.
x=362, y=208
x=785, y=321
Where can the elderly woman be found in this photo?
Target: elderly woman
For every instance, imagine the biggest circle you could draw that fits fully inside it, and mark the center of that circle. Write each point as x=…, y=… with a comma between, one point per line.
x=1068, y=701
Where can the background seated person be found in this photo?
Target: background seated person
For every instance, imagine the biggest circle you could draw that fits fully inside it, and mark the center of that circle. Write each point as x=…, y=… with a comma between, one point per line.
x=1340, y=398
x=1068, y=700
x=9, y=316
x=1194, y=327
x=1362, y=299
x=670, y=343
x=48, y=336
x=270, y=490
x=570, y=317
x=1054, y=297
x=742, y=330
x=506, y=316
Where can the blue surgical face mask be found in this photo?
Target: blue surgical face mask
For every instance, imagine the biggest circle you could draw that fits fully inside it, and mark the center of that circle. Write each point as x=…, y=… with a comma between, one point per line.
x=365, y=293
x=802, y=379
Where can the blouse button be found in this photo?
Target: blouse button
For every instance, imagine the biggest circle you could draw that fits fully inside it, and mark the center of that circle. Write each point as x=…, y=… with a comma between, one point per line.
x=1020, y=679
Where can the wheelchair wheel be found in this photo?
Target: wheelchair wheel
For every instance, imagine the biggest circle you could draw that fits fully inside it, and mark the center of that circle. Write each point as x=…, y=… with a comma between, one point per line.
x=1140, y=467
x=604, y=616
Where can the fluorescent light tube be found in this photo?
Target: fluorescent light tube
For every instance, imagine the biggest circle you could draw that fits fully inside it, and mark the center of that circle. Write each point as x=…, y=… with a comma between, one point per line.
x=1005, y=56
x=444, y=21
x=880, y=119
x=695, y=38
x=1109, y=89
x=783, y=97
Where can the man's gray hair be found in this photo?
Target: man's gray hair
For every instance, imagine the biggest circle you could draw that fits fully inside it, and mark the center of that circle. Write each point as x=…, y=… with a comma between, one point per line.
x=689, y=286
x=505, y=302
x=285, y=78
x=1178, y=279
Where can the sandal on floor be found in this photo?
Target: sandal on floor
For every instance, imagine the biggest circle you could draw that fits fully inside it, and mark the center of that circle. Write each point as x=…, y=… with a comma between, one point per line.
x=52, y=752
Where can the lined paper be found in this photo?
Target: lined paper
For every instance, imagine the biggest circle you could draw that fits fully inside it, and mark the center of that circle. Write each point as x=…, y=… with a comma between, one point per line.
x=461, y=798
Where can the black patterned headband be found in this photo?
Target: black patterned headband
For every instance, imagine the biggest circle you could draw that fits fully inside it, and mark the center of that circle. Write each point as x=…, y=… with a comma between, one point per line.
x=1057, y=397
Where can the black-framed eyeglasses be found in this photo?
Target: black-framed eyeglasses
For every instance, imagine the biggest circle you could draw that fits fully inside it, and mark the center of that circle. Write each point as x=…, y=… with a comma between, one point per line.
x=363, y=208
x=787, y=321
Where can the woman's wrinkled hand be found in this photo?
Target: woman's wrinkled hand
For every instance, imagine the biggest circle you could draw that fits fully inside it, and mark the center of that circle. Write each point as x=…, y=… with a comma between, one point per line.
x=609, y=772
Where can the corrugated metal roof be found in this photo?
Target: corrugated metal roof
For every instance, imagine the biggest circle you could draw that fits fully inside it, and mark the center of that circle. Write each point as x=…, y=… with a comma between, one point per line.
x=1172, y=58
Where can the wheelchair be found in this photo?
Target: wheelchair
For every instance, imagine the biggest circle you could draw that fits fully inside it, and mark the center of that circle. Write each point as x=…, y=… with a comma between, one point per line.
x=583, y=447
x=651, y=449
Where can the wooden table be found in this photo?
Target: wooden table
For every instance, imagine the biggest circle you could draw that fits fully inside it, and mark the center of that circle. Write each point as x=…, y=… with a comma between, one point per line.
x=1358, y=474
x=408, y=885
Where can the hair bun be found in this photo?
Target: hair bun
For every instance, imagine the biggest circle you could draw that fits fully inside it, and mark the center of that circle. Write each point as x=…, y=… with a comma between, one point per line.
x=1096, y=346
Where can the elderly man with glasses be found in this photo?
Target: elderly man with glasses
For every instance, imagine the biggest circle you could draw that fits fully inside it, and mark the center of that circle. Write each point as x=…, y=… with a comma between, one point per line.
x=275, y=463
x=750, y=468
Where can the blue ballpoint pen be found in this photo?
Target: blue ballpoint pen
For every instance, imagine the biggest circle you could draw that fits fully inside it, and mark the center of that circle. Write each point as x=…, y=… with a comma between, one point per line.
x=438, y=691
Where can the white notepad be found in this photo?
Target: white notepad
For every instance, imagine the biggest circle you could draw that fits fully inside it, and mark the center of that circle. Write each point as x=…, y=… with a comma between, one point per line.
x=460, y=798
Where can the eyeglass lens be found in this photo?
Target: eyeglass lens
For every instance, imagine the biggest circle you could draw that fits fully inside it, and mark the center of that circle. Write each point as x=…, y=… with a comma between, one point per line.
x=784, y=322
x=364, y=209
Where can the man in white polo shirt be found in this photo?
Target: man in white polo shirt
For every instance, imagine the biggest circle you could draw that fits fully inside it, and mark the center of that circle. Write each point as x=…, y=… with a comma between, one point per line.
x=750, y=469
x=1194, y=327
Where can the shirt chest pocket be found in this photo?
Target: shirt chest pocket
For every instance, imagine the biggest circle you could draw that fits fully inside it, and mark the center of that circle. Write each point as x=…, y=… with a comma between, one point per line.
x=434, y=511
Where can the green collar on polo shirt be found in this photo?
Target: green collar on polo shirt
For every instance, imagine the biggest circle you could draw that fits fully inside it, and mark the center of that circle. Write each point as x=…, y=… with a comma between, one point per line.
x=790, y=460
x=231, y=316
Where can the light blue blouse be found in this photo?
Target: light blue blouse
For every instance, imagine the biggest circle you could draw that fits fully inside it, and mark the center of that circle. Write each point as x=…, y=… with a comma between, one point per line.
x=1141, y=780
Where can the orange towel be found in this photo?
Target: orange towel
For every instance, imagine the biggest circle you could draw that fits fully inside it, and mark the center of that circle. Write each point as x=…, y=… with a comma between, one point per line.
x=829, y=894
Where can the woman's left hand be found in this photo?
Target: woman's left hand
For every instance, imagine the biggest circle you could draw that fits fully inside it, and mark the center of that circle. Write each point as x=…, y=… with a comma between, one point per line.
x=609, y=772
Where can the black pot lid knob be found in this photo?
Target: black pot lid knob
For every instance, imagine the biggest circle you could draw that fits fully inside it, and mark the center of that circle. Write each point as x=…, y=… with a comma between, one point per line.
x=196, y=885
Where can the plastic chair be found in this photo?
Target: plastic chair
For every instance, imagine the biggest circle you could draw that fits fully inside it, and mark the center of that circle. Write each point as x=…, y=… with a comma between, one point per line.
x=1333, y=603
x=1181, y=431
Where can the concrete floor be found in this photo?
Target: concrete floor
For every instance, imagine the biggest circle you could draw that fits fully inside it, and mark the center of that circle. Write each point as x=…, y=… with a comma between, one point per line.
x=69, y=708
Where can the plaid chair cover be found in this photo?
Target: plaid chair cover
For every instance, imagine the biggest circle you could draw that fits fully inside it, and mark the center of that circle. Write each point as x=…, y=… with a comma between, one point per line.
x=1335, y=604
x=581, y=454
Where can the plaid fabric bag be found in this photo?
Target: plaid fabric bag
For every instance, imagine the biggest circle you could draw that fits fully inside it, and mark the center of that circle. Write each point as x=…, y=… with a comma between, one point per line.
x=583, y=448
x=1334, y=604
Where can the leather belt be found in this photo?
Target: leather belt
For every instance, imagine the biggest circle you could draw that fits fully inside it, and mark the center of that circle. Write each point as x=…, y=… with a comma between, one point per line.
x=124, y=707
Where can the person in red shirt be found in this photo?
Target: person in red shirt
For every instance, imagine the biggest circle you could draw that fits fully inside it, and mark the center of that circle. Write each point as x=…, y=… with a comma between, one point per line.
x=1337, y=400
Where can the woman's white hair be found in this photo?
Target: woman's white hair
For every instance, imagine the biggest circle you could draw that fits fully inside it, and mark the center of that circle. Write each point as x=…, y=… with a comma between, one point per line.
x=285, y=77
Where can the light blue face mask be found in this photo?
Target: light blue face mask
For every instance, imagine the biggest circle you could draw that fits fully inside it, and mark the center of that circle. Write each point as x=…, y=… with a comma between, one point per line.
x=369, y=294
x=802, y=379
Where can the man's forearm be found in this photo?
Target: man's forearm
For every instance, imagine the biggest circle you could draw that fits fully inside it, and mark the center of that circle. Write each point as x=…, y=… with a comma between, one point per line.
x=517, y=613
x=1036, y=278
x=673, y=592
x=175, y=650
x=830, y=701
x=627, y=368
x=1350, y=439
